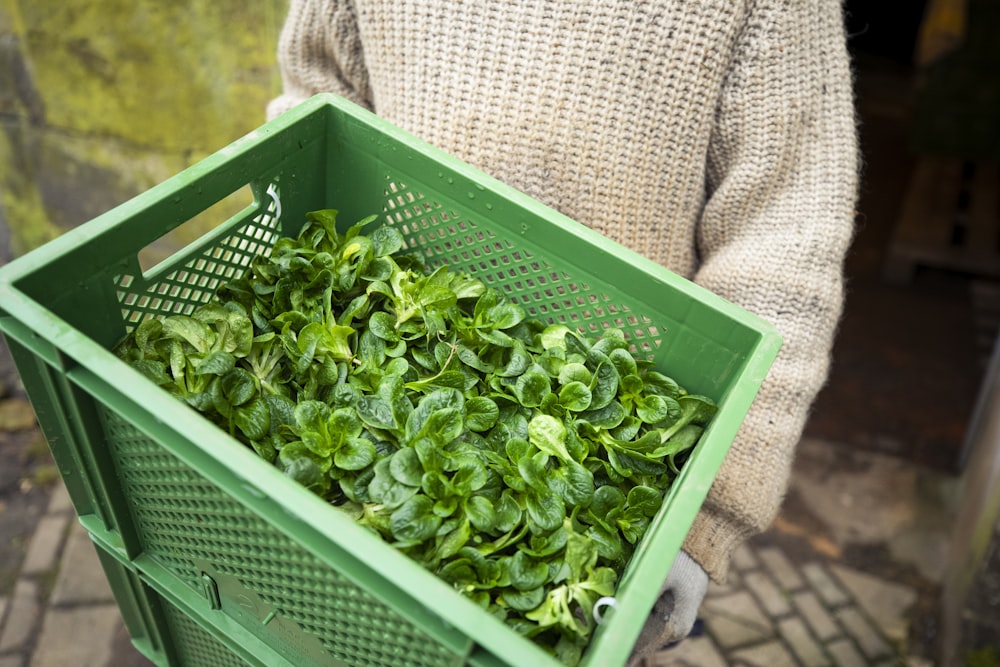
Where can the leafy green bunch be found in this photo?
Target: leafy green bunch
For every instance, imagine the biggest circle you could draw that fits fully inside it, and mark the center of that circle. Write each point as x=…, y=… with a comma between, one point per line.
x=520, y=462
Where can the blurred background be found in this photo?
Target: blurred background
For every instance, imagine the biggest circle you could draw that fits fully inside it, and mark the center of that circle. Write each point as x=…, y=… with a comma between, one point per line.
x=100, y=101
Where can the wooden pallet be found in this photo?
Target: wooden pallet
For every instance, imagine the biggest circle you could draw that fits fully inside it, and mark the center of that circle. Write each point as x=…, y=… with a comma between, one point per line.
x=950, y=219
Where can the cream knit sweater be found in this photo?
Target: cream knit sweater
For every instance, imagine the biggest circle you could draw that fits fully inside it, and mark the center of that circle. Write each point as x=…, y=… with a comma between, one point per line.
x=716, y=137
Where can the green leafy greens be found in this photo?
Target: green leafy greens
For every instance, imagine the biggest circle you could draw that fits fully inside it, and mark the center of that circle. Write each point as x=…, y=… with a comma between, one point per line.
x=520, y=462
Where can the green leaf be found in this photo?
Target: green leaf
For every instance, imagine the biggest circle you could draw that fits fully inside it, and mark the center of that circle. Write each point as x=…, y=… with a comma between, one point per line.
x=239, y=386
x=524, y=600
x=548, y=434
x=575, y=396
x=517, y=360
x=386, y=240
x=554, y=336
x=531, y=388
x=545, y=508
x=405, y=467
x=660, y=384
x=645, y=500
x=574, y=483
x=253, y=419
x=525, y=572
x=444, y=425
x=481, y=413
x=607, y=417
x=604, y=385
x=452, y=536
x=608, y=541
x=386, y=490
x=414, y=520
x=355, y=454
x=383, y=325
x=481, y=513
x=186, y=329
x=575, y=372
x=508, y=512
x=580, y=557
x=607, y=501
x=416, y=422
x=629, y=464
x=652, y=409
x=376, y=412
x=298, y=463
x=547, y=544
x=533, y=470
x=470, y=476
x=216, y=363
x=694, y=410
x=623, y=360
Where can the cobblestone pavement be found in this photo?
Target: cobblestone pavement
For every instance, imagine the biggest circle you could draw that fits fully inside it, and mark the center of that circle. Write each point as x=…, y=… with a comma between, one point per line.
x=779, y=607
x=775, y=613
x=62, y=612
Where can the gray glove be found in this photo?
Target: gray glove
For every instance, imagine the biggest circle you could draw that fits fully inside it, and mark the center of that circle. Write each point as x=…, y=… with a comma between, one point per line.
x=675, y=611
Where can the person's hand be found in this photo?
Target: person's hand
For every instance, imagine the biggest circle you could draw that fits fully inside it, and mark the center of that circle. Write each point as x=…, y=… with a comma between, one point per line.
x=675, y=611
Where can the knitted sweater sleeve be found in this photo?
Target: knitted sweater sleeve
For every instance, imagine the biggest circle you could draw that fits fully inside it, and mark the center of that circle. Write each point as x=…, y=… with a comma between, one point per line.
x=319, y=51
x=776, y=225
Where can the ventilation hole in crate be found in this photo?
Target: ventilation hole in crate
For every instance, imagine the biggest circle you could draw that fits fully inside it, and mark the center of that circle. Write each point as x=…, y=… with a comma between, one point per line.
x=204, y=268
x=182, y=519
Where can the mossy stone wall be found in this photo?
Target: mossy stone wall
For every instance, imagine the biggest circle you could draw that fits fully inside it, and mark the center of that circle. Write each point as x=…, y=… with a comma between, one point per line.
x=102, y=100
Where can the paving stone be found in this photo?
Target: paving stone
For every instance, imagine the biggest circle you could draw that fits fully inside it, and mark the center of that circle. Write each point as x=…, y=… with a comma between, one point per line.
x=770, y=654
x=45, y=543
x=816, y=616
x=783, y=570
x=803, y=645
x=60, y=501
x=78, y=636
x=12, y=661
x=871, y=642
x=21, y=616
x=886, y=602
x=846, y=654
x=4, y=602
x=820, y=580
x=731, y=633
x=742, y=607
x=693, y=652
x=743, y=558
x=81, y=578
x=772, y=598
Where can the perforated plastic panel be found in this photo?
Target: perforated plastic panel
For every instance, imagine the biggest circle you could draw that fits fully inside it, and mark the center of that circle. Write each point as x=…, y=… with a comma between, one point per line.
x=183, y=520
x=210, y=263
x=443, y=236
x=194, y=646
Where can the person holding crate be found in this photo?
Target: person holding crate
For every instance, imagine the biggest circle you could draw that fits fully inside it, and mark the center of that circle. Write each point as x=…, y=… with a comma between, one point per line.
x=716, y=138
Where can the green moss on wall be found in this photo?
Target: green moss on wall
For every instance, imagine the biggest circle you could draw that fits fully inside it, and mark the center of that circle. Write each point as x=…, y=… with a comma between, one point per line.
x=104, y=100
x=179, y=76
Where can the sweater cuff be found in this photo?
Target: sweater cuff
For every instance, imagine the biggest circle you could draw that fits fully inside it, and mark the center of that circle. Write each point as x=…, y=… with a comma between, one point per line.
x=712, y=540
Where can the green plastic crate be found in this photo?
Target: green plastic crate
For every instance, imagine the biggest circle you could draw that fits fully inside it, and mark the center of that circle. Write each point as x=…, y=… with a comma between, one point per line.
x=240, y=551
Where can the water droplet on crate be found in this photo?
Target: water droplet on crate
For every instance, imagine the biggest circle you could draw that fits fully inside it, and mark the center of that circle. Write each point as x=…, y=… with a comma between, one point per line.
x=489, y=206
x=472, y=195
